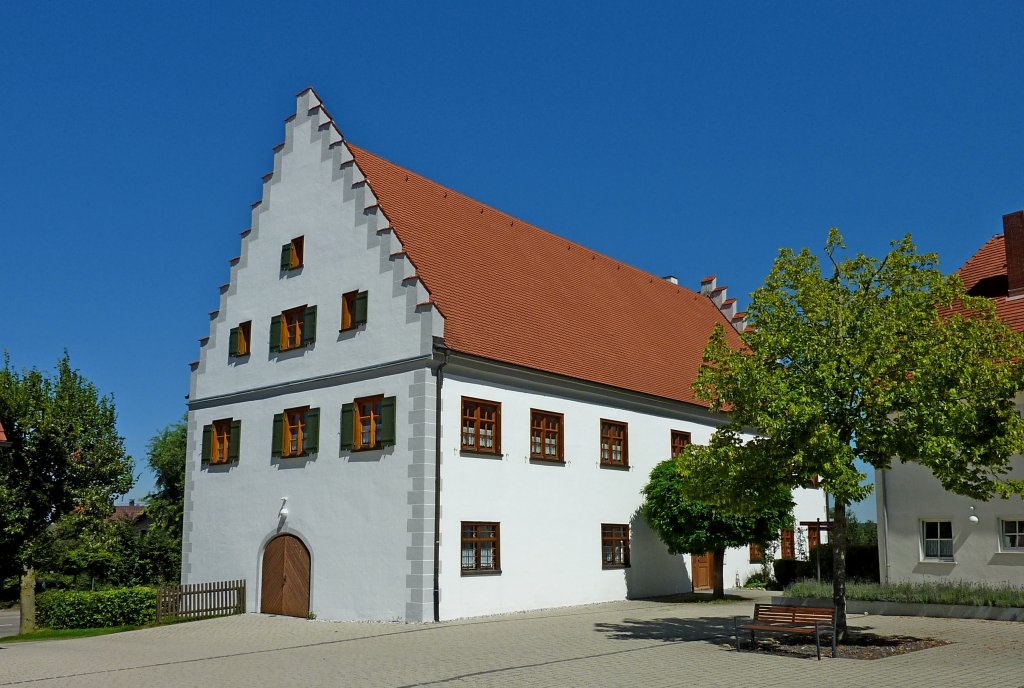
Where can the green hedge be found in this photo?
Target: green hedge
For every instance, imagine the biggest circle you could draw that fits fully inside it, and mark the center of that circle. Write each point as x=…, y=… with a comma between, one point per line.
x=77, y=609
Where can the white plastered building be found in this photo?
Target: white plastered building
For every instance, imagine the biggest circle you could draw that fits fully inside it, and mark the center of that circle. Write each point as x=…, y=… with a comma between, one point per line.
x=412, y=406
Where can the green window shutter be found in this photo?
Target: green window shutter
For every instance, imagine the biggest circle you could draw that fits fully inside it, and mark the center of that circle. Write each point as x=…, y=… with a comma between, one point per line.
x=311, y=442
x=207, y=443
x=235, y=441
x=275, y=333
x=360, y=314
x=286, y=256
x=348, y=423
x=278, y=437
x=309, y=325
x=233, y=342
x=387, y=423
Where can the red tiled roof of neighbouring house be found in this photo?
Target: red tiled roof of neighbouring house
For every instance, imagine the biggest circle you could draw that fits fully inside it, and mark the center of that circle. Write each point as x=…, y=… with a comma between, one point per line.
x=984, y=274
x=129, y=512
x=3, y=437
x=512, y=292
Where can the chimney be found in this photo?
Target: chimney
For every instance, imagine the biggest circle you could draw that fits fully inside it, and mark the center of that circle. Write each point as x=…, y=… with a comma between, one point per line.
x=671, y=278
x=1013, y=238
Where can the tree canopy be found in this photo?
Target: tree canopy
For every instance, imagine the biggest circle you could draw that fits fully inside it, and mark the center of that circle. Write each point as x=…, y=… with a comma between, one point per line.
x=167, y=459
x=691, y=527
x=870, y=359
x=65, y=457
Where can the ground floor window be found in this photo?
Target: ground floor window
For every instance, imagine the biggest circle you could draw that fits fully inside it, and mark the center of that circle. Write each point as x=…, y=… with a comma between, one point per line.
x=1012, y=539
x=937, y=539
x=614, y=545
x=480, y=547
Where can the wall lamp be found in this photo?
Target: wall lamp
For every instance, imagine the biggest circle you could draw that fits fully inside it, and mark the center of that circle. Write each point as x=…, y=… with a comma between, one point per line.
x=283, y=513
x=973, y=518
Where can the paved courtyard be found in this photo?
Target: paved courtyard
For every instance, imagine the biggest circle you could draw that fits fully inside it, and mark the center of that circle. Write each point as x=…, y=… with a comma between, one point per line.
x=629, y=643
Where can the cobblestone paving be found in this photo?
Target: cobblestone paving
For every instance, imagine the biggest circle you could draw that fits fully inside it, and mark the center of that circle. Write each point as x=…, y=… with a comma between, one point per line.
x=629, y=643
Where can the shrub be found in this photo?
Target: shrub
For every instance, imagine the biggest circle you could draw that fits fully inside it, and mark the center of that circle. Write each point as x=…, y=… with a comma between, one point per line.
x=950, y=592
x=787, y=571
x=861, y=565
x=79, y=609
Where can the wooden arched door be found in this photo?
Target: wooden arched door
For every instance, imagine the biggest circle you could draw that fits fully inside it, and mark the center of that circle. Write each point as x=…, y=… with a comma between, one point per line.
x=285, y=587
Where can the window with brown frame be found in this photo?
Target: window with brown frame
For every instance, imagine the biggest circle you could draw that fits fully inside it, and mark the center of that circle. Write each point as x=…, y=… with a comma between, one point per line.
x=353, y=309
x=294, y=328
x=239, y=340
x=296, y=432
x=788, y=545
x=221, y=440
x=480, y=551
x=756, y=553
x=368, y=423
x=680, y=440
x=292, y=254
x=614, y=545
x=481, y=426
x=614, y=443
x=546, y=436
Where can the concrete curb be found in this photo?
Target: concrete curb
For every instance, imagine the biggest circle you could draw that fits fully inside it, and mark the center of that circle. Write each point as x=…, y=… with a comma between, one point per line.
x=946, y=611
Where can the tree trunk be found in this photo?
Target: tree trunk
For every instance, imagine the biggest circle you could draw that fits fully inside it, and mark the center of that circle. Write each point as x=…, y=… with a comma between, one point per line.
x=837, y=534
x=718, y=575
x=28, y=601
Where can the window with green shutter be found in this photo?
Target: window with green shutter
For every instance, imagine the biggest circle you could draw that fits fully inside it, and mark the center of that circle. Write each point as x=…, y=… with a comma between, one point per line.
x=277, y=442
x=309, y=325
x=296, y=432
x=368, y=423
x=235, y=441
x=292, y=254
x=238, y=345
x=275, y=333
x=353, y=310
x=311, y=440
x=207, y=443
x=348, y=413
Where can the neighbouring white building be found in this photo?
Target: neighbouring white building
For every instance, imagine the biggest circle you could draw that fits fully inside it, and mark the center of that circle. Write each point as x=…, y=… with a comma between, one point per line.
x=926, y=533
x=413, y=406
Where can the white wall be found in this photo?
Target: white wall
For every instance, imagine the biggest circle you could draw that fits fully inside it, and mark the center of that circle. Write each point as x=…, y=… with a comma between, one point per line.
x=908, y=494
x=551, y=515
x=362, y=514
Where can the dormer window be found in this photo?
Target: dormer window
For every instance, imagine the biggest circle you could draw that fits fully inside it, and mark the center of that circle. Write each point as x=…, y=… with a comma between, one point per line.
x=292, y=254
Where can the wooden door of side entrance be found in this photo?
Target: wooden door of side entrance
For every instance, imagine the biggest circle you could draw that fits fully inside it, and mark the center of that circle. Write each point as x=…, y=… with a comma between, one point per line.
x=285, y=587
x=701, y=569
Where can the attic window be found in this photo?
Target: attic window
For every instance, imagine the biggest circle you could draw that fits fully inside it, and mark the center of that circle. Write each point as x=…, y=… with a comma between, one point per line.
x=292, y=254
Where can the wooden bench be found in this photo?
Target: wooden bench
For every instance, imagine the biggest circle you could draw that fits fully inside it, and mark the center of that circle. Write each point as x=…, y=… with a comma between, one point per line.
x=773, y=618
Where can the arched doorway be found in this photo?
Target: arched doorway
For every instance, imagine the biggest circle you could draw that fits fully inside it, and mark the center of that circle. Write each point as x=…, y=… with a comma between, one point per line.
x=285, y=588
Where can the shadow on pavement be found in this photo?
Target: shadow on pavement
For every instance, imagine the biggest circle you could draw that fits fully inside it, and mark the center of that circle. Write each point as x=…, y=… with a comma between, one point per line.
x=718, y=630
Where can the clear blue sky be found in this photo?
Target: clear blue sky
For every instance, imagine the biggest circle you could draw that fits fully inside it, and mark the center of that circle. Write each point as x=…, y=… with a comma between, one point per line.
x=684, y=140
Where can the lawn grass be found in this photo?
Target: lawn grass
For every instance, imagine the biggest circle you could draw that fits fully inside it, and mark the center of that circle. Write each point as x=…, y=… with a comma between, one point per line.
x=950, y=592
x=64, y=633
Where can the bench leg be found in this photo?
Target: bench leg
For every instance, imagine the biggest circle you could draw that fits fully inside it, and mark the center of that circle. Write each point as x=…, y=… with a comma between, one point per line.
x=753, y=643
x=817, y=645
x=736, y=630
x=834, y=655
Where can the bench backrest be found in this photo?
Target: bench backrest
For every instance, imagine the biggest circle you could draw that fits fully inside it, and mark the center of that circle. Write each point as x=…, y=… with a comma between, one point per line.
x=796, y=615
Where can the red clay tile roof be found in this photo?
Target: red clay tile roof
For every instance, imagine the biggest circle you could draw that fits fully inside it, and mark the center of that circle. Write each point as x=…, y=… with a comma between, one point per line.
x=516, y=293
x=127, y=511
x=3, y=436
x=984, y=274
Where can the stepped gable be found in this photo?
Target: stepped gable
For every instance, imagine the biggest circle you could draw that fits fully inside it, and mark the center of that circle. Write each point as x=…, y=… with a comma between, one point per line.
x=512, y=292
x=985, y=274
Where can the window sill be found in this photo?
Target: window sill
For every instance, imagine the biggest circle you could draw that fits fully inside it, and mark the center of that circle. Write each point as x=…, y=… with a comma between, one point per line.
x=553, y=462
x=480, y=453
x=471, y=572
x=615, y=466
x=607, y=567
x=293, y=456
x=375, y=447
x=937, y=561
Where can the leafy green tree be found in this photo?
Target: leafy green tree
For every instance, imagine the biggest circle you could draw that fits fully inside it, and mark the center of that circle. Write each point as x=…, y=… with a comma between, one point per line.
x=873, y=359
x=166, y=505
x=691, y=527
x=66, y=456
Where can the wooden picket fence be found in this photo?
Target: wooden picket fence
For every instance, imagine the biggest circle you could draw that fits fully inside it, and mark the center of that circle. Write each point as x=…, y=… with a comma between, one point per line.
x=200, y=600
